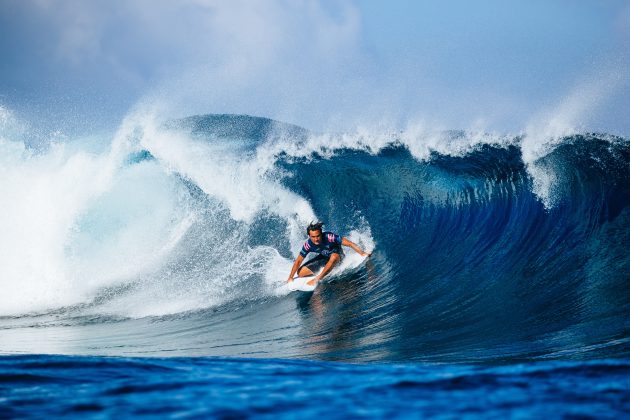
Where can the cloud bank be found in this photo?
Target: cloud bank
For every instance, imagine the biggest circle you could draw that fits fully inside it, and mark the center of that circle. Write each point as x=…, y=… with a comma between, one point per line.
x=321, y=64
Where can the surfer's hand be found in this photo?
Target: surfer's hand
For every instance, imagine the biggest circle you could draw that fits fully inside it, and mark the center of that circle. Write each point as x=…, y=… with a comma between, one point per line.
x=313, y=281
x=290, y=279
x=366, y=254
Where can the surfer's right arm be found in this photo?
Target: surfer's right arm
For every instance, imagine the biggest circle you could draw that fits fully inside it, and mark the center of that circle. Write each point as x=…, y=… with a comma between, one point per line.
x=295, y=267
x=349, y=243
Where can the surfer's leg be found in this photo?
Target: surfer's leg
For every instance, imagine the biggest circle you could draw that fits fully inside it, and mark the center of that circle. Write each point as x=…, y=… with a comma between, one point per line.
x=330, y=263
x=312, y=266
x=304, y=272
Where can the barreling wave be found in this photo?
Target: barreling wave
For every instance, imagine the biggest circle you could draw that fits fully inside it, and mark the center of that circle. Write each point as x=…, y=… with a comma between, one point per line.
x=185, y=232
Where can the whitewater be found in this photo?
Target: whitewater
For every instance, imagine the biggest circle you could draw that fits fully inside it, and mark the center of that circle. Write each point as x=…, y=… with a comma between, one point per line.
x=174, y=237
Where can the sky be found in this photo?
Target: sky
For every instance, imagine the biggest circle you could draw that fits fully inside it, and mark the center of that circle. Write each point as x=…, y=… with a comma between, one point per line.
x=326, y=65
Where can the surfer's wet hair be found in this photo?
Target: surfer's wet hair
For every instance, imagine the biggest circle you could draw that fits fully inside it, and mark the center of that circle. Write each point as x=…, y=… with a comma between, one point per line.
x=314, y=226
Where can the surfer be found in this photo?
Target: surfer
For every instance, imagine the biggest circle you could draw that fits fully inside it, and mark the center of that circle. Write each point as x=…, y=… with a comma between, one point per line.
x=328, y=246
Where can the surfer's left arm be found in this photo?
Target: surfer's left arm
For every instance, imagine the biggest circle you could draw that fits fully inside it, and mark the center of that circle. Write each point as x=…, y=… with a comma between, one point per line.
x=349, y=243
x=295, y=267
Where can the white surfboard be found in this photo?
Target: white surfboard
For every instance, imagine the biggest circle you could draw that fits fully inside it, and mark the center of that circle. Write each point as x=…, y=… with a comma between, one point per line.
x=348, y=264
x=299, y=284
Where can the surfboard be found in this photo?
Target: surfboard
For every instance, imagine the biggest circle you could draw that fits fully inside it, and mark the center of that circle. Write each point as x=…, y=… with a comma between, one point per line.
x=299, y=284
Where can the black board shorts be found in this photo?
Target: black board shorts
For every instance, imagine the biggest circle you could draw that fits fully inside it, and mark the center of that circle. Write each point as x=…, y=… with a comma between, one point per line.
x=317, y=263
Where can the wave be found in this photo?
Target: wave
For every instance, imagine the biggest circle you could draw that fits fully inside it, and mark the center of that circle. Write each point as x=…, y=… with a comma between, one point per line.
x=481, y=252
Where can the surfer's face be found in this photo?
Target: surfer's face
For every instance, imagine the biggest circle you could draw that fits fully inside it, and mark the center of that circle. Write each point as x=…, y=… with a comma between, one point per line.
x=316, y=236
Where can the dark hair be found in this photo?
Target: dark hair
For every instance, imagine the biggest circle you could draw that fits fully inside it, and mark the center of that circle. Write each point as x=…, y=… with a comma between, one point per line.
x=314, y=226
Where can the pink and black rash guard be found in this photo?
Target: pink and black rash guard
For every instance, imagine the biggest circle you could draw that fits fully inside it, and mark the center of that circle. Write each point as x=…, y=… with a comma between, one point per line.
x=330, y=244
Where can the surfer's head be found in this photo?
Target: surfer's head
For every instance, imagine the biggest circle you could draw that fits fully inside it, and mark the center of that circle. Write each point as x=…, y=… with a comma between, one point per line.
x=314, y=232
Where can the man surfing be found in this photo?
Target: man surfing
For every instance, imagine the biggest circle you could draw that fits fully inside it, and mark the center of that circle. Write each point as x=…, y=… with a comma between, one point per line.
x=328, y=246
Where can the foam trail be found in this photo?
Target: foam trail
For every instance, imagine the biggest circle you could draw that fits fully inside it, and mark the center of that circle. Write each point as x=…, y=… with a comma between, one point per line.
x=72, y=218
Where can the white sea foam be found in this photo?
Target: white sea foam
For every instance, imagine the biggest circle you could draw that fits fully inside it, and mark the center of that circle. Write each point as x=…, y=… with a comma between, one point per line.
x=74, y=222
x=81, y=223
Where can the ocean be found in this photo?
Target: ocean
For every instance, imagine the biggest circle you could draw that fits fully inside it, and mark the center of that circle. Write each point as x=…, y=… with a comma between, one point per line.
x=143, y=273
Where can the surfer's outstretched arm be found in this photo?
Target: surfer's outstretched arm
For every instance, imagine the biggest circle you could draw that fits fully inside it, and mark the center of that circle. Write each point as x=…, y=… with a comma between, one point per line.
x=349, y=243
x=295, y=267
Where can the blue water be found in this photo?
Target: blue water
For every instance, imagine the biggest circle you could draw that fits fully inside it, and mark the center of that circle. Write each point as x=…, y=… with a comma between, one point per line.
x=42, y=386
x=144, y=274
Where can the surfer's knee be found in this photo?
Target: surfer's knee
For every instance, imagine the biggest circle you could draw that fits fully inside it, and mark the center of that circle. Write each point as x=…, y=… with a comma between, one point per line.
x=335, y=258
x=304, y=271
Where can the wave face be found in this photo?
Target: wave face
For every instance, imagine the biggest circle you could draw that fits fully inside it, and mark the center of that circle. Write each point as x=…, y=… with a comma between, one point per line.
x=176, y=239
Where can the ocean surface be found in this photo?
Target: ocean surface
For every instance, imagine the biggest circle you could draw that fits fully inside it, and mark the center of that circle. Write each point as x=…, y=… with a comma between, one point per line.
x=143, y=272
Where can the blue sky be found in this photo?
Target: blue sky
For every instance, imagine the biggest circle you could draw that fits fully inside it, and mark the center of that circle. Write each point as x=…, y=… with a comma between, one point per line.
x=489, y=64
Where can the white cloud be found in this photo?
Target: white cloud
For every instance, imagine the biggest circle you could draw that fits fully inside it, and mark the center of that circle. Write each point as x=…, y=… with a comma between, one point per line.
x=237, y=34
x=264, y=57
x=308, y=62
